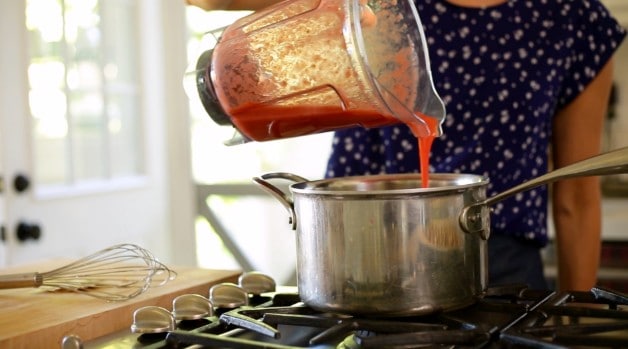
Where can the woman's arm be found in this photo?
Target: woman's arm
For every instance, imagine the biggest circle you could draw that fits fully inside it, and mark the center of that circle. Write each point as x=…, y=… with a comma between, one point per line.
x=231, y=4
x=577, y=133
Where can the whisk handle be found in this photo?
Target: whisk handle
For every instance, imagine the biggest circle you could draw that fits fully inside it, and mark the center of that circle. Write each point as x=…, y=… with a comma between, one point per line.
x=21, y=280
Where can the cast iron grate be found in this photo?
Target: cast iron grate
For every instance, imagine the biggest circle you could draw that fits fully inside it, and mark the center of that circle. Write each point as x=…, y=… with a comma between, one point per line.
x=507, y=317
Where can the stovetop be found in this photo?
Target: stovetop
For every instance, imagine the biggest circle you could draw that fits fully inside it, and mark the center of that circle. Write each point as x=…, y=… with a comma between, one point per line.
x=256, y=314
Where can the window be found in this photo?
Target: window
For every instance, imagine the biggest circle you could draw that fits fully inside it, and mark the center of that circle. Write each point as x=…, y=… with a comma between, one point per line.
x=84, y=90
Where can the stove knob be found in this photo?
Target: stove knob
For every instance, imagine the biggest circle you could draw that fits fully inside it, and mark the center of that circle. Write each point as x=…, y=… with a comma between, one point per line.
x=256, y=283
x=71, y=342
x=191, y=307
x=228, y=295
x=152, y=319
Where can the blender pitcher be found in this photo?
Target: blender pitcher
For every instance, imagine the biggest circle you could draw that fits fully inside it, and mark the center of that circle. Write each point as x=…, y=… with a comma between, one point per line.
x=302, y=67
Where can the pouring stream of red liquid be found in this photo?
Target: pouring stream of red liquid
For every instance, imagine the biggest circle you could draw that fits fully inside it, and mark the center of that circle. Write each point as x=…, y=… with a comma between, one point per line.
x=425, y=145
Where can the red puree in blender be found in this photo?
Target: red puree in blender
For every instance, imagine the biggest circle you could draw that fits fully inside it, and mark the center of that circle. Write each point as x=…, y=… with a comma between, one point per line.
x=277, y=84
x=296, y=121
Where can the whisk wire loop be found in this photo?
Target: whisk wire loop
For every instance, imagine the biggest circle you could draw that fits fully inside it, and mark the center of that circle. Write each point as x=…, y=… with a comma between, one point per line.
x=116, y=273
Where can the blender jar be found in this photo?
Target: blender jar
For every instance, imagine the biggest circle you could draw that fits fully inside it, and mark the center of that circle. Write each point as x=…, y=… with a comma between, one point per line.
x=308, y=66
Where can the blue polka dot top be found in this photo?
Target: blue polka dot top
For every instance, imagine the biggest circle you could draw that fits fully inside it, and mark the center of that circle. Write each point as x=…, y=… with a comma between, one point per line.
x=503, y=73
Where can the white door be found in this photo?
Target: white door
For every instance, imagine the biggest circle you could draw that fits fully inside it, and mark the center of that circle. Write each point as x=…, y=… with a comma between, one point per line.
x=85, y=102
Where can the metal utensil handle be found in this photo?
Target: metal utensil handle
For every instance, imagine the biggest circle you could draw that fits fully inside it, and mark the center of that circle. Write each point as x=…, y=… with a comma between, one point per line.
x=614, y=162
x=283, y=198
x=21, y=280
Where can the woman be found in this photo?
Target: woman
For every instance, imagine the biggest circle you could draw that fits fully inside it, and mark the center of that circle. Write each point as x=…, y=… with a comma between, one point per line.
x=526, y=84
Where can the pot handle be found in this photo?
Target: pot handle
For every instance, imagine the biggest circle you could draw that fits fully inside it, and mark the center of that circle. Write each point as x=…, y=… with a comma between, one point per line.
x=614, y=162
x=283, y=198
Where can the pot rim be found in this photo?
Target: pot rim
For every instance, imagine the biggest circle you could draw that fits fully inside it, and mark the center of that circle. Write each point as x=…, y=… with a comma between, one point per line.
x=393, y=184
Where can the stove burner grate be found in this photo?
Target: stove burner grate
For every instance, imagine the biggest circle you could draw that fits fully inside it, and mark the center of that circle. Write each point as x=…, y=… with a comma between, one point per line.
x=511, y=316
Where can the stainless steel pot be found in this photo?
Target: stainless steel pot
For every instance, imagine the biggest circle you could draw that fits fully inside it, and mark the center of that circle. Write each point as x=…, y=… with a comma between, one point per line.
x=383, y=245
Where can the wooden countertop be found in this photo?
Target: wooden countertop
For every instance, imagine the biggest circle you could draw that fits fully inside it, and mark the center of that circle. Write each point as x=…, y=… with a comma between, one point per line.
x=36, y=318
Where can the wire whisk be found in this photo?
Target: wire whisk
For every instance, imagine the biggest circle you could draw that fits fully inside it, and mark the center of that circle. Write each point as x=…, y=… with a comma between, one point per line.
x=117, y=273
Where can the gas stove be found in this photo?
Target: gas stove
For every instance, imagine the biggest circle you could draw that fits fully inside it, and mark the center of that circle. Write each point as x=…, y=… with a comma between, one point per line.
x=254, y=313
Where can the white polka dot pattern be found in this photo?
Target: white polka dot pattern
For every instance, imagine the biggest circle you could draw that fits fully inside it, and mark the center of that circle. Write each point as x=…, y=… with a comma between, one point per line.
x=503, y=72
